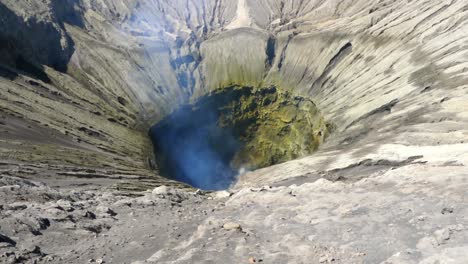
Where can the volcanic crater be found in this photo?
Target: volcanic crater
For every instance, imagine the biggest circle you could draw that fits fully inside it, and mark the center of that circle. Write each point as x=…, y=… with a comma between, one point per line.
x=215, y=131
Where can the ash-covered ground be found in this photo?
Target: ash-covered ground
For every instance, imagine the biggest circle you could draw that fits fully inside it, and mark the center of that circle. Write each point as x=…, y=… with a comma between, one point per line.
x=400, y=214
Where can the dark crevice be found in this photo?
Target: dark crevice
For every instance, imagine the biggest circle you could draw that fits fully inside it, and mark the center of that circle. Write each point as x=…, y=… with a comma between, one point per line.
x=215, y=7
x=365, y=168
x=185, y=65
x=339, y=56
x=352, y=173
x=382, y=109
x=283, y=52
x=32, y=70
x=270, y=51
x=301, y=3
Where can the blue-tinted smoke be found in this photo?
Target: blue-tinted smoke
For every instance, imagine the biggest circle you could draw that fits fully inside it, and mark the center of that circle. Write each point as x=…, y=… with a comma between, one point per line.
x=192, y=148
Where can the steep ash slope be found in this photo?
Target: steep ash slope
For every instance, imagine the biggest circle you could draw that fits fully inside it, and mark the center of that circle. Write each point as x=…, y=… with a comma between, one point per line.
x=113, y=69
x=81, y=83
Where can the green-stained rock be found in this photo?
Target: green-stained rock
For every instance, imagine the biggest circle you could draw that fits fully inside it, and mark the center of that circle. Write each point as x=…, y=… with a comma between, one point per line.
x=273, y=127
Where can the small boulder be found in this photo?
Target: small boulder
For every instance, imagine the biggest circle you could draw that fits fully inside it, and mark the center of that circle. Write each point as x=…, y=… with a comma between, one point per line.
x=442, y=235
x=105, y=210
x=232, y=226
x=41, y=223
x=221, y=194
x=16, y=206
x=447, y=210
x=89, y=215
x=96, y=228
x=326, y=259
x=160, y=190
x=32, y=249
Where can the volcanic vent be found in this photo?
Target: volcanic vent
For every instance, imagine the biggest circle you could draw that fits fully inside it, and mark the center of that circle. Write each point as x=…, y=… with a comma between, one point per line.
x=208, y=142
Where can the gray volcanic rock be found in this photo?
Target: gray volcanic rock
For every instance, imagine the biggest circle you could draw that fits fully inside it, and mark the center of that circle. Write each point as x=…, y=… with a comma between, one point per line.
x=81, y=83
x=394, y=216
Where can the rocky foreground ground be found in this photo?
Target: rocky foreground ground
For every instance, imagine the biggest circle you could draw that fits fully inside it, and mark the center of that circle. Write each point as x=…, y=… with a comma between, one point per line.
x=404, y=214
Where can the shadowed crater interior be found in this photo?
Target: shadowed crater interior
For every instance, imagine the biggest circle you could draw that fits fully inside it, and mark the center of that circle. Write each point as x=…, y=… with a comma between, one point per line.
x=207, y=143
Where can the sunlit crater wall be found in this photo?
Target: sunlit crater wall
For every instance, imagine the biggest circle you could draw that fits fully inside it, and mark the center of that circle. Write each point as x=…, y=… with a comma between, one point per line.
x=371, y=69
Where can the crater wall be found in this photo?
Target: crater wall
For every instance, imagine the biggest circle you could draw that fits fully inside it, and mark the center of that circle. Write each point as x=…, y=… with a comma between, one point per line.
x=391, y=75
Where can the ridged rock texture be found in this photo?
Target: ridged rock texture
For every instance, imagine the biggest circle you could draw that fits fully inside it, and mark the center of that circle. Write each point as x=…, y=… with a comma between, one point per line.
x=82, y=81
